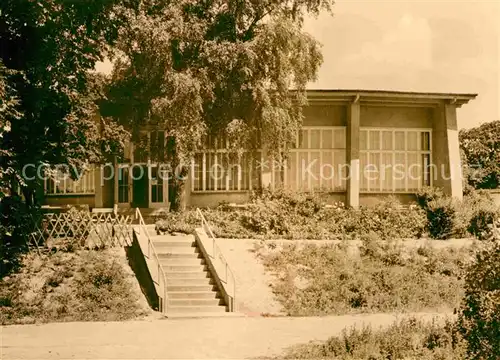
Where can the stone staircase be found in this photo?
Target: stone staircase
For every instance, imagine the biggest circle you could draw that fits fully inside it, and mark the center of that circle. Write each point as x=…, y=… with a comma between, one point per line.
x=190, y=288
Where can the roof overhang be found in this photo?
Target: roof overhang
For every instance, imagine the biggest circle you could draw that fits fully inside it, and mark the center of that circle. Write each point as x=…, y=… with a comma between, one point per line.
x=388, y=98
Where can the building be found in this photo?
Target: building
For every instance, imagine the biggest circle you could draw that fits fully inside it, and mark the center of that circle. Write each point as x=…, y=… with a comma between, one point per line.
x=355, y=146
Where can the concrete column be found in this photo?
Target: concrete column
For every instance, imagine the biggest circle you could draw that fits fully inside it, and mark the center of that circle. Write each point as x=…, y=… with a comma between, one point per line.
x=446, y=151
x=352, y=152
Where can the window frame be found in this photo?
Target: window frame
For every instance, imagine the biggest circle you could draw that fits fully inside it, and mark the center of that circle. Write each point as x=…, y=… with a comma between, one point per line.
x=87, y=176
x=221, y=151
x=337, y=185
x=393, y=152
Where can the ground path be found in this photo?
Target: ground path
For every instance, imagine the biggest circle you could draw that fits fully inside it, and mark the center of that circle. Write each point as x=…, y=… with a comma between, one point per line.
x=209, y=338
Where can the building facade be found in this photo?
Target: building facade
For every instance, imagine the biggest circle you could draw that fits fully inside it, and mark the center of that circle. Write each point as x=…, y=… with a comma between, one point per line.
x=355, y=146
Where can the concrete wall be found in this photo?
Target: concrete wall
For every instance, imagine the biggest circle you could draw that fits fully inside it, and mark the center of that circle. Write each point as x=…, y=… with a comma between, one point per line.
x=398, y=117
x=325, y=115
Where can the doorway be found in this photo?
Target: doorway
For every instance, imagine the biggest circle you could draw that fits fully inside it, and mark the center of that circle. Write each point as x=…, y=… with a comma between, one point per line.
x=140, y=193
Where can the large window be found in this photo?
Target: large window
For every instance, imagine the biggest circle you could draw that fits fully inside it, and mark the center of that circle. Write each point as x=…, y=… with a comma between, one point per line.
x=394, y=160
x=61, y=184
x=123, y=183
x=217, y=169
x=318, y=161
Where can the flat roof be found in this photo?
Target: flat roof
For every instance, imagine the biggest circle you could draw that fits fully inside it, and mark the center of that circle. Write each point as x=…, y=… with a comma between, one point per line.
x=389, y=96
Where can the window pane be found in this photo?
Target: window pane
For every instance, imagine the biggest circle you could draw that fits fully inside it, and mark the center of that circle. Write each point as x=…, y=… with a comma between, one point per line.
x=412, y=137
x=374, y=137
x=387, y=140
x=363, y=140
x=197, y=172
x=328, y=170
x=399, y=173
x=313, y=168
x=339, y=138
x=327, y=142
x=386, y=172
x=373, y=171
x=414, y=171
x=340, y=171
x=399, y=140
x=315, y=139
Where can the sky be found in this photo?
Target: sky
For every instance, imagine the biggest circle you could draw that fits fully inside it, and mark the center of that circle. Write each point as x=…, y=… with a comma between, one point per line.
x=419, y=45
x=413, y=45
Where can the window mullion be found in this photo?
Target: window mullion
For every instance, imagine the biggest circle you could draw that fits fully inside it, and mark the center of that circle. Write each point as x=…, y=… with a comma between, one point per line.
x=204, y=172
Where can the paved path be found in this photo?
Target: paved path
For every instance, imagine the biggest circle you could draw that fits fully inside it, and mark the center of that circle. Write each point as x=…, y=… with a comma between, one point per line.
x=210, y=338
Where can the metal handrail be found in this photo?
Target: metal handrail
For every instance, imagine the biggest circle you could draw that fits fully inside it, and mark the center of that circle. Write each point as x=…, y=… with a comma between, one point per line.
x=217, y=251
x=142, y=225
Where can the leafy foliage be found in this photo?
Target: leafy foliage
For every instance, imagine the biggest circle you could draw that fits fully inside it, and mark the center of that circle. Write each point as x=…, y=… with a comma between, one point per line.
x=382, y=277
x=48, y=49
x=446, y=217
x=481, y=152
x=225, y=67
x=479, y=318
x=410, y=338
x=295, y=215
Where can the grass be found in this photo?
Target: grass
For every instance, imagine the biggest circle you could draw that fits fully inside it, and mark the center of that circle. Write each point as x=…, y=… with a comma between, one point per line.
x=70, y=286
x=405, y=339
x=380, y=277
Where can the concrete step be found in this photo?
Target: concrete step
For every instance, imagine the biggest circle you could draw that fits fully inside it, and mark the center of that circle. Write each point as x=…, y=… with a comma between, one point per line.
x=188, y=275
x=194, y=302
x=193, y=295
x=173, y=244
x=195, y=309
x=190, y=288
x=182, y=261
x=161, y=249
x=189, y=282
x=187, y=268
x=167, y=238
x=185, y=255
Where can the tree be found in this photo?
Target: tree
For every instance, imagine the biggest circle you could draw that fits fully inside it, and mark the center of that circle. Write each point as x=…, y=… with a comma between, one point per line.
x=196, y=67
x=8, y=103
x=48, y=48
x=479, y=318
x=480, y=147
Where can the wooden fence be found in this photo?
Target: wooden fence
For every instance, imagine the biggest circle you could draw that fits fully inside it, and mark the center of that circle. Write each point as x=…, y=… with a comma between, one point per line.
x=82, y=229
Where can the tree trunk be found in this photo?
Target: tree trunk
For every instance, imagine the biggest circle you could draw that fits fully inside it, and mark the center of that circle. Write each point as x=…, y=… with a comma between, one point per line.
x=179, y=174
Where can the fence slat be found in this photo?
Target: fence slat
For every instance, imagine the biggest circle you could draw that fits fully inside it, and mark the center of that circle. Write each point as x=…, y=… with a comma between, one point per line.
x=91, y=230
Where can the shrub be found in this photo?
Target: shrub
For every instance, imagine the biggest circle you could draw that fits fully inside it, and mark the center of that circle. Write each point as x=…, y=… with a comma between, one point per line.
x=16, y=223
x=79, y=286
x=383, y=277
x=406, y=339
x=447, y=217
x=441, y=218
x=479, y=318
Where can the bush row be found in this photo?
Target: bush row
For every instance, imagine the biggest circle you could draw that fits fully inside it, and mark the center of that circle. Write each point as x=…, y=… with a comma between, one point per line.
x=293, y=215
